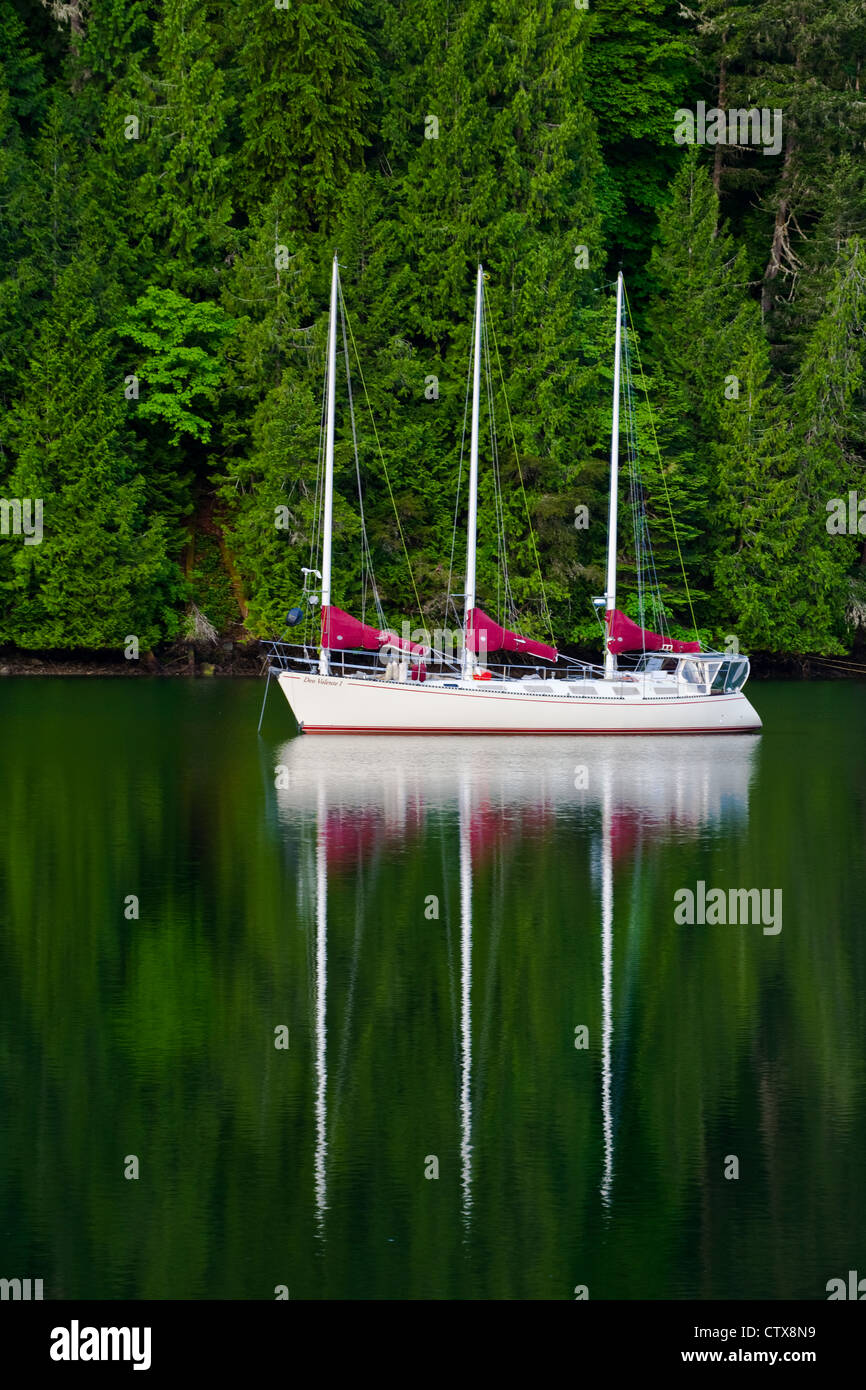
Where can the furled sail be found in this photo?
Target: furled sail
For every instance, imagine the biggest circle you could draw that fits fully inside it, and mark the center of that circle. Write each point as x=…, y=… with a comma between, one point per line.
x=483, y=631
x=340, y=631
x=625, y=636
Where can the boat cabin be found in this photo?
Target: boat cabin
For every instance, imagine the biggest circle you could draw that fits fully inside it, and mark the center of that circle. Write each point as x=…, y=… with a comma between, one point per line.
x=713, y=673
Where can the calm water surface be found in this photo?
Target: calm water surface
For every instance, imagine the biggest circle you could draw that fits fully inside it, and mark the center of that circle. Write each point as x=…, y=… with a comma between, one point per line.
x=436, y=923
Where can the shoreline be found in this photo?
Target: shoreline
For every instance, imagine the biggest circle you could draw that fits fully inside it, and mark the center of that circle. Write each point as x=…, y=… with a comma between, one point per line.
x=246, y=659
x=183, y=659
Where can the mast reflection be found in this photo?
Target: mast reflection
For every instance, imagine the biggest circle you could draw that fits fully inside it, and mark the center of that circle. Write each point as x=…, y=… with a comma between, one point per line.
x=365, y=795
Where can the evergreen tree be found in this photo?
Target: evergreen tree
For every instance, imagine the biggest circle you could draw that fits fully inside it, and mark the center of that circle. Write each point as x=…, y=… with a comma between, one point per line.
x=506, y=176
x=304, y=73
x=804, y=62
x=699, y=322
x=102, y=571
x=640, y=64
x=782, y=575
x=183, y=198
x=175, y=179
x=492, y=156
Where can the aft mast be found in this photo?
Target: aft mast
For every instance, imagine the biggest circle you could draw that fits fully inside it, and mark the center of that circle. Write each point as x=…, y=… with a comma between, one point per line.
x=610, y=586
x=328, y=511
x=469, y=660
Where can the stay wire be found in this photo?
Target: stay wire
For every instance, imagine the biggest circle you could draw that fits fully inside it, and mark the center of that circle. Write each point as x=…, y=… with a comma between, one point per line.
x=385, y=469
x=545, y=607
x=661, y=470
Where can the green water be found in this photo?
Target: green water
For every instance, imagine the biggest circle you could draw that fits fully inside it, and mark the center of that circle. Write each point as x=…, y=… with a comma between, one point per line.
x=431, y=921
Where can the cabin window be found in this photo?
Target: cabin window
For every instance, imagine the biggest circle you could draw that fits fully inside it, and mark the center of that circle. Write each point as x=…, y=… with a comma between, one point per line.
x=737, y=674
x=656, y=663
x=692, y=671
x=730, y=676
x=721, y=676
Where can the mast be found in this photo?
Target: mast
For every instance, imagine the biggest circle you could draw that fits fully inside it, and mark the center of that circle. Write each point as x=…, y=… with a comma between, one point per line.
x=469, y=660
x=328, y=518
x=610, y=587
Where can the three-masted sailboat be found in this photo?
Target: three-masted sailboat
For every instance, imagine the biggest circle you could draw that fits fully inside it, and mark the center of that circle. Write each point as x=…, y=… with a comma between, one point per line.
x=671, y=687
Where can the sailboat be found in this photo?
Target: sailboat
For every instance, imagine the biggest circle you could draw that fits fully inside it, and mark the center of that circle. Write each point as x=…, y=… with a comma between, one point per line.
x=673, y=687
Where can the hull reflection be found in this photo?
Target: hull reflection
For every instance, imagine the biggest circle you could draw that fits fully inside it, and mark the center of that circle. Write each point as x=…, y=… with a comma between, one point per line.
x=665, y=781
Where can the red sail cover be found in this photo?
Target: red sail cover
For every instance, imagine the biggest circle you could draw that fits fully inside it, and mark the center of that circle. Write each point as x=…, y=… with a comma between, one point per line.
x=499, y=639
x=626, y=636
x=341, y=630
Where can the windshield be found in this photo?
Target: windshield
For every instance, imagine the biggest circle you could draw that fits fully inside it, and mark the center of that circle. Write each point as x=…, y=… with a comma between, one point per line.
x=731, y=675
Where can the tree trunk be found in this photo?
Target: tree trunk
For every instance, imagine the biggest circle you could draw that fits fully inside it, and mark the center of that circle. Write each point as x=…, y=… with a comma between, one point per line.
x=717, y=158
x=779, y=248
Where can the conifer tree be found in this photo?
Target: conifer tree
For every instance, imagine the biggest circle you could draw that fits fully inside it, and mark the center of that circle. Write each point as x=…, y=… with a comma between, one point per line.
x=802, y=61
x=183, y=197
x=640, y=65
x=304, y=75
x=699, y=321
x=175, y=179
x=102, y=570
x=784, y=579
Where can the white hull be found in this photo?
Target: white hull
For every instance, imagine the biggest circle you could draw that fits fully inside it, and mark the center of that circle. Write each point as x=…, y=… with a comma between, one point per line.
x=354, y=705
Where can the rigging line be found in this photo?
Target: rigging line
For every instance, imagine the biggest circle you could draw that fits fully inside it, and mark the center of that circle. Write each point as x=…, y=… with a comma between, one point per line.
x=837, y=665
x=503, y=588
x=643, y=542
x=314, y=531
x=316, y=527
x=449, y=603
x=510, y=602
x=363, y=566
x=635, y=478
x=645, y=557
x=366, y=555
x=497, y=520
x=659, y=615
x=661, y=467
x=384, y=467
x=634, y=484
x=545, y=607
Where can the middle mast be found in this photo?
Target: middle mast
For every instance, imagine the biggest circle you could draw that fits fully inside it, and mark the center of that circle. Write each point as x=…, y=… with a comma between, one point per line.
x=610, y=584
x=469, y=658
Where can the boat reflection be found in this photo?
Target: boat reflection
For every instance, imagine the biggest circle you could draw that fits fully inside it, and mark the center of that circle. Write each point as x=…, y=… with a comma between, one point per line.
x=347, y=798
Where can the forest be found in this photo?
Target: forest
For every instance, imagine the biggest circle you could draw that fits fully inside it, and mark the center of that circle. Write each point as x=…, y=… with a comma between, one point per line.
x=175, y=179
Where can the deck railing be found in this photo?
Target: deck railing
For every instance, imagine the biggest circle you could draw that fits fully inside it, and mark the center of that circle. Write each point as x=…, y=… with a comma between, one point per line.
x=288, y=656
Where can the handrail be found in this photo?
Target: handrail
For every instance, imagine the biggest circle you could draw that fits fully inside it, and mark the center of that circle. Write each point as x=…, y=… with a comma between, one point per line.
x=285, y=655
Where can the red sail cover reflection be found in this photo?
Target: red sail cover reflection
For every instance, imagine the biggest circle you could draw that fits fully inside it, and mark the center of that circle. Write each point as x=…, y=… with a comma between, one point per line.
x=351, y=835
